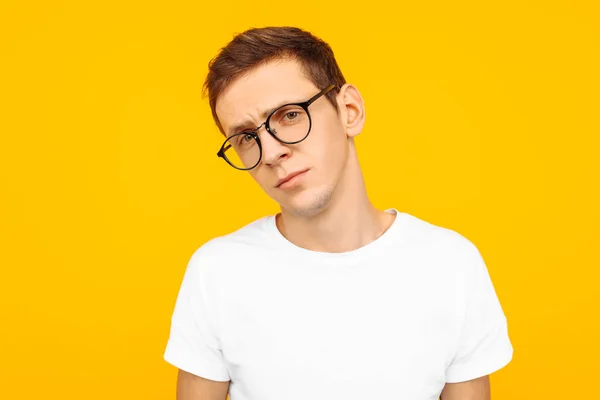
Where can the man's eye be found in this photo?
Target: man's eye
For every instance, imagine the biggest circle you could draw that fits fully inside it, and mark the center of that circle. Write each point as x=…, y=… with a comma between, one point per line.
x=246, y=138
x=291, y=115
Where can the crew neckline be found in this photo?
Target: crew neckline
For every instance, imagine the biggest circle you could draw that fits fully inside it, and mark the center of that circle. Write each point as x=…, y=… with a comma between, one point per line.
x=394, y=233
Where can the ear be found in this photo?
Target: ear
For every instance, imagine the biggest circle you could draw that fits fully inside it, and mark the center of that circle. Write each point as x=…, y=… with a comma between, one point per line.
x=352, y=109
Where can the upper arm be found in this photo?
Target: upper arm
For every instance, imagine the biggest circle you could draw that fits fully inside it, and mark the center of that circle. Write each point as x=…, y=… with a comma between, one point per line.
x=483, y=345
x=475, y=389
x=192, y=387
x=194, y=345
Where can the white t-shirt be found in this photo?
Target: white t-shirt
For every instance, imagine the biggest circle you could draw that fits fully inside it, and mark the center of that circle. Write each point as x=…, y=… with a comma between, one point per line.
x=394, y=319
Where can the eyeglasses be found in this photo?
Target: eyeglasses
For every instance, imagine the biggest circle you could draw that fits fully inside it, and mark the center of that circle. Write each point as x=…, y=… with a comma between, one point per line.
x=289, y=124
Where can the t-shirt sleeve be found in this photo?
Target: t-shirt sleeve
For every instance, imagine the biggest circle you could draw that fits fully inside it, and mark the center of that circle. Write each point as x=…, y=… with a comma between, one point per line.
x=484, y=345
x=193, y=344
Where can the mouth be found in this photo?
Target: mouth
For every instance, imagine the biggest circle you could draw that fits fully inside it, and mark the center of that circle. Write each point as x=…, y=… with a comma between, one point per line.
x=290, y=180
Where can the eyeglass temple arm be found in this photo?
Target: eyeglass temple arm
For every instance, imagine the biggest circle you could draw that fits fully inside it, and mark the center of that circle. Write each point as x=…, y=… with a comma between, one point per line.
x=321, y=93
x=223, y=150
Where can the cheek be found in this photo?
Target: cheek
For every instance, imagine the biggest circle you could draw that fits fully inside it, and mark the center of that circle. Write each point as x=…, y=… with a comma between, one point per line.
x=261, y=176
x=329, y=148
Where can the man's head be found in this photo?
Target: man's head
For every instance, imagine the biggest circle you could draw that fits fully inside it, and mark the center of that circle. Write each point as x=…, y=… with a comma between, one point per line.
x=263, y=69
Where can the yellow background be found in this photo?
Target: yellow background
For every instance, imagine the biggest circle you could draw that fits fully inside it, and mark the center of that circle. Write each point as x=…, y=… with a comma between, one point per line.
x=481, y=117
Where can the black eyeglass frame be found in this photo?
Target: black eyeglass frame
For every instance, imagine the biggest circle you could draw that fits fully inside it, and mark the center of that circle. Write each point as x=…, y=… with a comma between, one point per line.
x=304, y=105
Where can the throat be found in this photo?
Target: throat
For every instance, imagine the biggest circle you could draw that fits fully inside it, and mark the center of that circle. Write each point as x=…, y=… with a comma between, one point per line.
x=348, y=232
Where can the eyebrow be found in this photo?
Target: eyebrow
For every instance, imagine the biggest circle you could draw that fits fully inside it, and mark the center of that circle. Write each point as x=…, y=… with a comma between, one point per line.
x=249, y=124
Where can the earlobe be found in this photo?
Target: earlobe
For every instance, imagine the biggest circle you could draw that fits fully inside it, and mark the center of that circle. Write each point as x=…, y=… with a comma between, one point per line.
x=353, y=109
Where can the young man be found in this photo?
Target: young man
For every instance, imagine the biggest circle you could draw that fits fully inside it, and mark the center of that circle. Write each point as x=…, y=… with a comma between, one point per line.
x=331, y=298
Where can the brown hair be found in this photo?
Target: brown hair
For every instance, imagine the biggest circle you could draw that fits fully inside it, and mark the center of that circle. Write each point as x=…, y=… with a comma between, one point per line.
x=257, y=46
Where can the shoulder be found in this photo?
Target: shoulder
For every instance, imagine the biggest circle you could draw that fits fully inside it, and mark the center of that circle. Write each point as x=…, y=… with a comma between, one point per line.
x=444, y=245
x=421, y=232
x=222, y=250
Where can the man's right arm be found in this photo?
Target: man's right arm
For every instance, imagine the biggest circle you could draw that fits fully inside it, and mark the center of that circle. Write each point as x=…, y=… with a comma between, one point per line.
x=192, y=387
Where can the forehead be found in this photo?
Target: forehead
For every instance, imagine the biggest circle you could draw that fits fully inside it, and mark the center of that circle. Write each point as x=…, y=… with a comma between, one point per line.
x=261, y=90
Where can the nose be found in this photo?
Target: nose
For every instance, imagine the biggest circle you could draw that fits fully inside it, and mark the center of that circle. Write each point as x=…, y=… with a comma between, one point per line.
x=273, y=151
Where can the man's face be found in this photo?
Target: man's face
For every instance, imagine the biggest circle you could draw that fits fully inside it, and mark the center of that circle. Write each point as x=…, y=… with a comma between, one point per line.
x=320, y=157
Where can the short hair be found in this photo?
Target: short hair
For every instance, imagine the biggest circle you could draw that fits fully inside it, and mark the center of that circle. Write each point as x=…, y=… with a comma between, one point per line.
x=257, y=46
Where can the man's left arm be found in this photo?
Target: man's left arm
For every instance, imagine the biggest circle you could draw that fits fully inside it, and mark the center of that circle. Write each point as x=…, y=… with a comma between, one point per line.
x=483, y=345
x=475, y=389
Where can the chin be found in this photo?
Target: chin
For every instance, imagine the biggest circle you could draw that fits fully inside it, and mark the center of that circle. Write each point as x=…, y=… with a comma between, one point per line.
x=308, y=203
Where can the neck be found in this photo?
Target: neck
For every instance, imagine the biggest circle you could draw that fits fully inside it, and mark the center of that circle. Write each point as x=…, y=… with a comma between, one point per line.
x=348, y=222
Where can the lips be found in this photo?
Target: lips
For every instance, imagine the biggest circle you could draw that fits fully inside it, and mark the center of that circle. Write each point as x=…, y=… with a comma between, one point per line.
x=289, y=177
